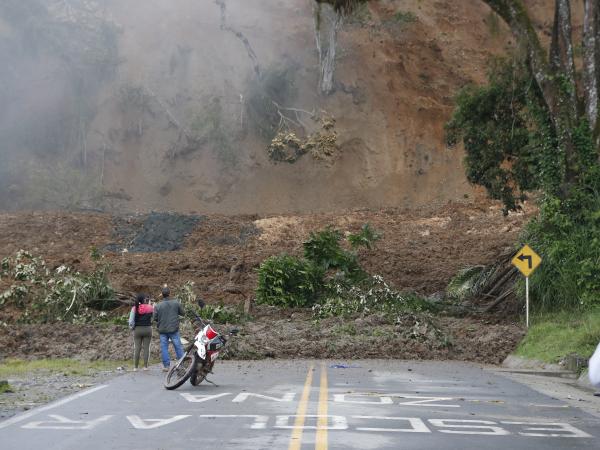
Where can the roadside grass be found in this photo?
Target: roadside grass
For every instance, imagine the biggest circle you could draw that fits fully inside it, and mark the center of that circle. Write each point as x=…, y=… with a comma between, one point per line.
x=6, y=388
x=18, y=367
x=551, y=337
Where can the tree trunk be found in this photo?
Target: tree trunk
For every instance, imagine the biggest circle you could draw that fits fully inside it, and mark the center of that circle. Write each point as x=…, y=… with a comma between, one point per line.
x=591, y=62
x=557, y=91
x=327, y=24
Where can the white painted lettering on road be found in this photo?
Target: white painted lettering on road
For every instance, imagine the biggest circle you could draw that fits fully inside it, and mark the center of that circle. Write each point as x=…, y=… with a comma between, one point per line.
x=377, y=400
x=199, y=398
x=149, y=424
x=558, y=430
x=260, y=422
x=416, y=424
x=419, y=400
x=387, y=399
x=337, y=422
x=288, y=397
x=62, y=423
x=469, y=427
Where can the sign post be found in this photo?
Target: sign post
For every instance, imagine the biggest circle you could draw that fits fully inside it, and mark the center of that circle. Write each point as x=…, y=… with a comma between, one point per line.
x=526, y=260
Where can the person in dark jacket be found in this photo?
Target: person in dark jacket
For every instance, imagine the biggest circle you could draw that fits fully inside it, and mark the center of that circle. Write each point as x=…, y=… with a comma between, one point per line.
x=140, y=321
x=167, y=313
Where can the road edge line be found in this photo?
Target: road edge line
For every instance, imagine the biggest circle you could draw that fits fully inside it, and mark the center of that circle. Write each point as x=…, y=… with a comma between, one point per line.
x=21, y=417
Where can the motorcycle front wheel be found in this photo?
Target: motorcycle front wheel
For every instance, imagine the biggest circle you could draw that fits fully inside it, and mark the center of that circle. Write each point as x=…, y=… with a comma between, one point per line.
x=180, y=371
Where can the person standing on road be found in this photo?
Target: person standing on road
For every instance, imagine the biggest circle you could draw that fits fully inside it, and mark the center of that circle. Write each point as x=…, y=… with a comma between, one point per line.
x=140, y=321
x=167, y=313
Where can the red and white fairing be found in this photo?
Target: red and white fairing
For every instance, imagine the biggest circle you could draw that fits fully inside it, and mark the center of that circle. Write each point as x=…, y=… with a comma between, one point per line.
x=203, y=338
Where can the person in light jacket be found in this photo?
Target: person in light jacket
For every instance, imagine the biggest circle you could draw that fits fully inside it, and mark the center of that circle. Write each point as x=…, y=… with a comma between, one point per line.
x=140, y=321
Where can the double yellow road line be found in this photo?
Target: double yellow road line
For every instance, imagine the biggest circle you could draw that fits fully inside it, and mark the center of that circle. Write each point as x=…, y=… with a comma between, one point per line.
x=321, y=439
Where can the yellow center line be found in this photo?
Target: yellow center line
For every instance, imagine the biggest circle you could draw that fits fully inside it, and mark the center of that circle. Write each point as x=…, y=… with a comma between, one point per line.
x=296, y=440
x=321, y=442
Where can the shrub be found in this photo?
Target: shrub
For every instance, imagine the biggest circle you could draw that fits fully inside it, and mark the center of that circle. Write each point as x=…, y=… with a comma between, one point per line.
x=369, y=296
x=324, y=250
x=365, y=238
x=288, y=281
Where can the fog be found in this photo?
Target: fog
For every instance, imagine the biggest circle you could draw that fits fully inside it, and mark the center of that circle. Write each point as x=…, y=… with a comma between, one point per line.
x=140, y=105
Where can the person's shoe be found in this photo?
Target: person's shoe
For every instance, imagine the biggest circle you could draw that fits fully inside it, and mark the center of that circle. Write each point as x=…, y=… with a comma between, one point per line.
x=135, y=369
x=165, y=369
x=145, y=369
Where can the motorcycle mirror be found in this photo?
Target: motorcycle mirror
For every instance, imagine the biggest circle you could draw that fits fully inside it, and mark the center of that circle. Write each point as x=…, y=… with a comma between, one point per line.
x=200, y=303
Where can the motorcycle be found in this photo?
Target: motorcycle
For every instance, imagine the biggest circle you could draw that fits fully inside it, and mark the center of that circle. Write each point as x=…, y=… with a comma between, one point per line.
x=199, y=357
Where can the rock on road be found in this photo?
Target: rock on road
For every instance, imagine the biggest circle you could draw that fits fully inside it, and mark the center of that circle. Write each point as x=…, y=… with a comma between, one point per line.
x=309, y=404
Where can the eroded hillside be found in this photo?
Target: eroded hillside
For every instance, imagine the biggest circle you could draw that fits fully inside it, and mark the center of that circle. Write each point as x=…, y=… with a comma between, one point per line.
x=182, y=121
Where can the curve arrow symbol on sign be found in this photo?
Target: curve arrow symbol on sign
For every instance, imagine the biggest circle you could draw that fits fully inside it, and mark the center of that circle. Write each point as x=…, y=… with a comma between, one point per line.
x=528, y=258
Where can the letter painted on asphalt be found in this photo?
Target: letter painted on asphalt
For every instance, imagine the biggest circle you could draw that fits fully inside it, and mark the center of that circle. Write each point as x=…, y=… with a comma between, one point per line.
x=333, y=422
x=260, y=422
x=425, y=401
x=469, y=427
x=149, y=424
x=416, y=424
x=378, y=400
x=567, y=430
x=288, y=397
x=199, y=398
x=62, y=423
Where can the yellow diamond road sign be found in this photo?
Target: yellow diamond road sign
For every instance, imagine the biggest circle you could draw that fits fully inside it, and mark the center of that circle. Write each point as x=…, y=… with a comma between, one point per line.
x=526, y=260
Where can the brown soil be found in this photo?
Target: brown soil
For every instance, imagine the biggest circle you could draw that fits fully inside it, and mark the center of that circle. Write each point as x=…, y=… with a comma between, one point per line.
x=420, y=250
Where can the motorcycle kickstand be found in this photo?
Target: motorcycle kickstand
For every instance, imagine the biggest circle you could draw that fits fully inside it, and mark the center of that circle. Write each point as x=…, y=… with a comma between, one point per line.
x=208, y=381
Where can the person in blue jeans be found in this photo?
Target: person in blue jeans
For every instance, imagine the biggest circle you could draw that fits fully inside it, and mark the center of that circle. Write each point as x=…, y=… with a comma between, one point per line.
x=166, y=314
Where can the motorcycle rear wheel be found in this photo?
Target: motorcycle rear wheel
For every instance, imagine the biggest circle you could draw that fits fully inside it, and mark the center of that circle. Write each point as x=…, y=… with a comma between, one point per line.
x=180, y=371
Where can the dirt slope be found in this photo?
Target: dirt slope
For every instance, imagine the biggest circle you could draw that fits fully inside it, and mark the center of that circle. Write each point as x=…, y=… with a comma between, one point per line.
x=421, y=249
x=399, y=65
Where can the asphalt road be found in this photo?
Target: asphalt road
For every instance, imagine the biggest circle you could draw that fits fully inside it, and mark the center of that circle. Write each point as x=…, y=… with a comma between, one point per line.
x=305, y=405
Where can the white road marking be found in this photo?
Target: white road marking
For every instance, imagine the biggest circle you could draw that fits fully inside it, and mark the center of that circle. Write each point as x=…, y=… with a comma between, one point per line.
x=149, y=424
x=469, y=424
x=387, y=399
x=62, y=423
x=567, y=428
x=260, y=422
x=416, y=425
x=199, y=398
x=379, y=399
x=288, y=397
x=337, y=422
x=27, y=415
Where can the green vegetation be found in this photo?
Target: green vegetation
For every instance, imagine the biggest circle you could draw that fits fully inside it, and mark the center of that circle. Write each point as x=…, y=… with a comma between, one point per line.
x=18, y=367
x=214, y=313
x=553, y=336
x=59, y=295
x=511, y=149
x=404, y=17
x=370, y=295
x=288, y=281
x=6, y=388
x=329, y=278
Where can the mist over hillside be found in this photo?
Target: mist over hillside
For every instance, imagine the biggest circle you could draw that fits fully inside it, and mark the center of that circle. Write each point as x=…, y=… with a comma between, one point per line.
x=174, y=105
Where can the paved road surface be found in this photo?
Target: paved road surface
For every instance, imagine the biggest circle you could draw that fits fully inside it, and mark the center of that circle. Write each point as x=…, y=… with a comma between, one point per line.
x=305, y=405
